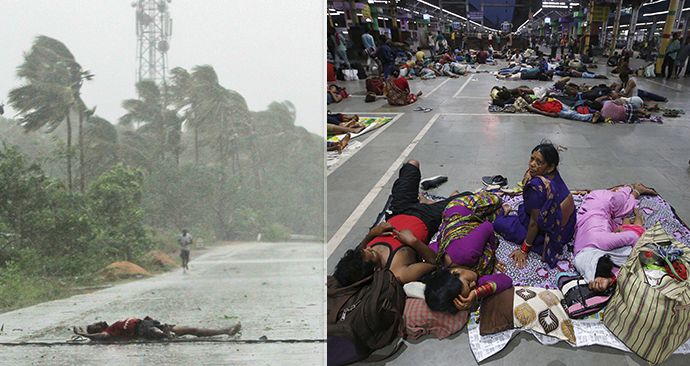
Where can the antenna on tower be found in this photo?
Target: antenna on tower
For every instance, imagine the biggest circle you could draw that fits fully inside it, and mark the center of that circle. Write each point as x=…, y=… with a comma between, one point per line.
x=153, y=29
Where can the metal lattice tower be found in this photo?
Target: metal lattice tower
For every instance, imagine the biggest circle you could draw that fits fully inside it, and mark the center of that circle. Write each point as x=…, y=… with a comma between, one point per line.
x=154, y=28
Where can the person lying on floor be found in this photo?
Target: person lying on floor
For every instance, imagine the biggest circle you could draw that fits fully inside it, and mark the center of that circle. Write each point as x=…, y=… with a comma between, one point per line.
x=340, y=123
x=338, y=146
x=147, y=328
x=333, y=94
x=552, y=107
x=466, y=253
x=622, y=110
x=398, y=90
x=574, y=95
x=605, y=235
x=425, y=72
x=455, y=288
x=571, y=72
x=400, y=242
x=545, y=221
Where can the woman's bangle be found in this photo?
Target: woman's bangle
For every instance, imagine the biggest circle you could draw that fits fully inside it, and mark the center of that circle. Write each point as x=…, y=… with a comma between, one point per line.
x=525, y=247
x=485, y=290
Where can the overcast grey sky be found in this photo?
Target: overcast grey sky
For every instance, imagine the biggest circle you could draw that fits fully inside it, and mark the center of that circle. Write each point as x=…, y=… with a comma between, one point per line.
x=266, y=50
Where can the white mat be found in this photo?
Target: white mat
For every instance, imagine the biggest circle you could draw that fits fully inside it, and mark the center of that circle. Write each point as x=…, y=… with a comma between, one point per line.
x=588, y=332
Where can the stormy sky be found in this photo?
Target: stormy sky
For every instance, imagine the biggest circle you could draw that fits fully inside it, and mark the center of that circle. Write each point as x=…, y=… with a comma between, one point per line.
x=265, y=50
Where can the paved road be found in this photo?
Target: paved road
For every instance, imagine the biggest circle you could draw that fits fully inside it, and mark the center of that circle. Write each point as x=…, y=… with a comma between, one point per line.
x=275, y=290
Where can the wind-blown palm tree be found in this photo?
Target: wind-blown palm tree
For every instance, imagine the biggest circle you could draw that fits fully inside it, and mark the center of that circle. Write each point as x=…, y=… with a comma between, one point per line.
x=150, y=115
x=52, y=91
x=185, y=101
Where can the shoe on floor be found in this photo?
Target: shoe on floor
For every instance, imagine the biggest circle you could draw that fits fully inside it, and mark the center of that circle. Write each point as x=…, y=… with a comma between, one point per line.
x=495, y=180
x=433, y=182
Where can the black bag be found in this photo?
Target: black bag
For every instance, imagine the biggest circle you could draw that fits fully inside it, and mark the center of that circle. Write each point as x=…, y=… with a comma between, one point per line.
x=370, y=97
x=578, y=300
x=363, y=317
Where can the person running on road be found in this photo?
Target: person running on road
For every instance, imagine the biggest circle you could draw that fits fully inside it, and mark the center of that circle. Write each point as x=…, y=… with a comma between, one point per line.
x=147, y=328
x=185, y=241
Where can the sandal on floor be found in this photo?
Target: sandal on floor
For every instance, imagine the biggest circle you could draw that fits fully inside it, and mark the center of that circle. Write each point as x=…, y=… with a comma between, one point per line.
x=498, y=180
x=433, y=182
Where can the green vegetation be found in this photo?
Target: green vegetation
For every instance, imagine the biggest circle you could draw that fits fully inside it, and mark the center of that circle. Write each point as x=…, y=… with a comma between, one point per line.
x=189, y=154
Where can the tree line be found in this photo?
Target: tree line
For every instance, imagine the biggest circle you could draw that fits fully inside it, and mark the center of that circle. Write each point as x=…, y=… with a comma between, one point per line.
x=187, y=153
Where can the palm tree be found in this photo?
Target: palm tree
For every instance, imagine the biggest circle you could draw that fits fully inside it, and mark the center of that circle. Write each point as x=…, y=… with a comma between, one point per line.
x=185, y=101
x=150, y=115
x=51, y=93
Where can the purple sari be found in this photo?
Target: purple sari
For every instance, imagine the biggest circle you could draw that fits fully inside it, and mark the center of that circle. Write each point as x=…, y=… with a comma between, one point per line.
x=546, y=196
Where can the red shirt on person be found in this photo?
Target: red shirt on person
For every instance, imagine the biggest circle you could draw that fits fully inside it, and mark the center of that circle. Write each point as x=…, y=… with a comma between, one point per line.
x=402, y=222
x=123, y=328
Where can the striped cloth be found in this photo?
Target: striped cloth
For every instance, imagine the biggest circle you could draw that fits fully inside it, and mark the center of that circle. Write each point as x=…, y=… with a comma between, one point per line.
x=420, y=320
x=653, y=321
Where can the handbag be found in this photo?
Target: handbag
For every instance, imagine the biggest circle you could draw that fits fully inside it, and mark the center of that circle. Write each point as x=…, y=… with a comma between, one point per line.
x=578, y=300
x=350, y=74
x=652, y=319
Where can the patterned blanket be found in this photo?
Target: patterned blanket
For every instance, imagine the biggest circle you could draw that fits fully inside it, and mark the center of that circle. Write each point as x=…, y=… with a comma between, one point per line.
x=370, y=124
x=539, y=274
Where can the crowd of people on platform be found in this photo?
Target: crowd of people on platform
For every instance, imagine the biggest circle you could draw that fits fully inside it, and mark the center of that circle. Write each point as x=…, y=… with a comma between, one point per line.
x=397, y=62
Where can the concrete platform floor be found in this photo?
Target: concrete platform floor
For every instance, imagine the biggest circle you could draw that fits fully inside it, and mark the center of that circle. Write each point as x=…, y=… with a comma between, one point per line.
x=462, y=140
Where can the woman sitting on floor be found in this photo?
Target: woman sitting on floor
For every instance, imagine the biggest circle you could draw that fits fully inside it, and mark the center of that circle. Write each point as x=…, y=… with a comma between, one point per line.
x=628, y=89
x=466, y=251
x=605, y=234
x=398, y=90
x=466, y=235
x=545, y=221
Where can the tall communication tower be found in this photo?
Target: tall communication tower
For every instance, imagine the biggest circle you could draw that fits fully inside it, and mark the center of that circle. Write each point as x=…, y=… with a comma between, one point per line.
x=154, y=28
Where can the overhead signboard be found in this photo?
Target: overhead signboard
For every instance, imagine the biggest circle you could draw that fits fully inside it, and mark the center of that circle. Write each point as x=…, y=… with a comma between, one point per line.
x=476, y=15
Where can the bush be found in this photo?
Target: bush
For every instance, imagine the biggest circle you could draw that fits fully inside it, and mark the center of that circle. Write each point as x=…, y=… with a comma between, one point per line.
x=115, y=199
x=276, y=232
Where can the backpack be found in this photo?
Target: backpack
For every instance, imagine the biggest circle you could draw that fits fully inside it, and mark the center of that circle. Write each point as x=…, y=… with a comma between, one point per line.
x=578, y=300
x=501, y=96
x=363, y=317
x=375, y=85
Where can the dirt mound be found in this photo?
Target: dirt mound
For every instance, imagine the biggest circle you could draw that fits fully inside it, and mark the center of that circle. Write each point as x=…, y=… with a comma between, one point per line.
x=160, y=260
x=121, y=270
